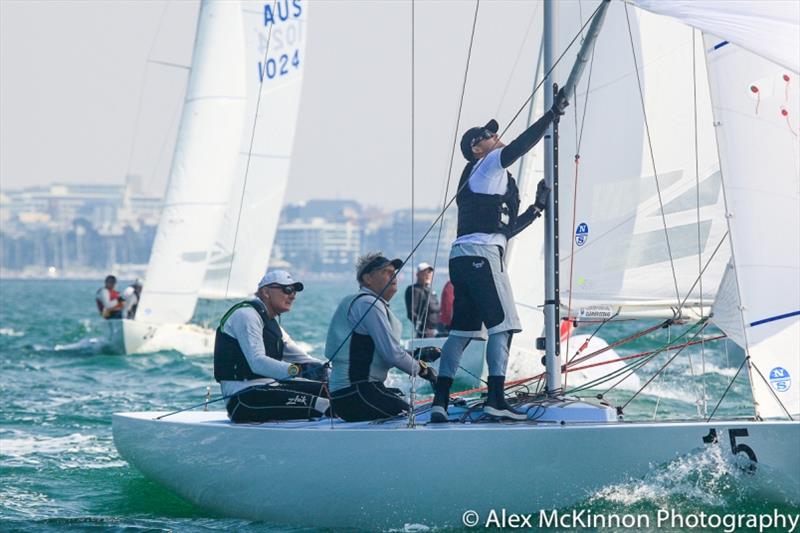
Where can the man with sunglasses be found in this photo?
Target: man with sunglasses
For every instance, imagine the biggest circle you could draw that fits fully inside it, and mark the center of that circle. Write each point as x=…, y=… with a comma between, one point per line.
x=263, y=372
x=364, y=344
x=488, y=215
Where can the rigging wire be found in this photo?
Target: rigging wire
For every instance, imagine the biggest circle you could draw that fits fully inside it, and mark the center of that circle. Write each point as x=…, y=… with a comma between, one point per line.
x=652, y=155
x=249, y=155
x=413, y=391
x=516, y=60
x=704, y=399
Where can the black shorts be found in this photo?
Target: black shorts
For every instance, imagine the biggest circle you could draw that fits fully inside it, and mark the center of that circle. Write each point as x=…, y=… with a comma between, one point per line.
x=367, y=401
x=482, y=291
x=284, y=400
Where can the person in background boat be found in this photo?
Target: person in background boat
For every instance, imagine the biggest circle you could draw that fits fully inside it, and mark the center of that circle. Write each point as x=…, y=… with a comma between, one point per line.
x=130, y=298
x=422, y=304
x=108, y=300
x=263, y=372
x=446, y=311
x=364, y=344
x=488, y=215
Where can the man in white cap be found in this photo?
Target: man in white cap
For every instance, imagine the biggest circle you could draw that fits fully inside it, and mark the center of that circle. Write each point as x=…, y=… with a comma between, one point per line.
x=263, y=372
x=422, y=304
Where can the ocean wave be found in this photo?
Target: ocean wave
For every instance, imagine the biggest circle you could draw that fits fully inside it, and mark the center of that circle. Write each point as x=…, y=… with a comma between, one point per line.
x=75, y=450
x=11, y=332
x=709, y=478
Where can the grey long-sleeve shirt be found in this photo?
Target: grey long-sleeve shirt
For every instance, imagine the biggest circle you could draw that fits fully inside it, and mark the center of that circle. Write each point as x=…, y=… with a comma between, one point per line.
x=245, y=325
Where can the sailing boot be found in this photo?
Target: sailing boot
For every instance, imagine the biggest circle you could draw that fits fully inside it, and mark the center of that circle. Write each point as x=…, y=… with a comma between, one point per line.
x=496, y=404
x=441, y=399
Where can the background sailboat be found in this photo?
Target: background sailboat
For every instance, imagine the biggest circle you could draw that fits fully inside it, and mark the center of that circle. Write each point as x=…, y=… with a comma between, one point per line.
x=227, y=182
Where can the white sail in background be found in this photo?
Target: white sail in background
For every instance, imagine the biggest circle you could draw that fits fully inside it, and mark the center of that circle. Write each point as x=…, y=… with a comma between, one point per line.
x=201, y=173
x=244, y=240
x=622, y=256
x=766, y=27
x=756, y=107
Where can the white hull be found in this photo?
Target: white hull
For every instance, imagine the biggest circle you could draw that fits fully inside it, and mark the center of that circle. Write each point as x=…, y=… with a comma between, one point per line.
x=132, y=337
x=385, y=476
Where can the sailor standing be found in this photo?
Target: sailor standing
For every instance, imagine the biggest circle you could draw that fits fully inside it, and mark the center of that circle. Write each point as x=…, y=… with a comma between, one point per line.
x=488, y=215
x=258, y=365
x=108, y=300
x=364, y=344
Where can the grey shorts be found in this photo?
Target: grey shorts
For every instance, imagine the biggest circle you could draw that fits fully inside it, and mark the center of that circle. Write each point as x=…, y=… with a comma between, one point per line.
x=482, y=289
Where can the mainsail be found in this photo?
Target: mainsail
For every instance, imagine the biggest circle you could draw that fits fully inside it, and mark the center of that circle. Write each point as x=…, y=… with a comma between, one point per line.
x=756, y=107
x=201, y=173
x=275, y=36
x=646, y=196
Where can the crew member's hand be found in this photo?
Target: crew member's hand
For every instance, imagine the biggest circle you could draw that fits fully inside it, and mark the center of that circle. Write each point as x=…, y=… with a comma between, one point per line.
x=560, y=103
x=427, y=372
x=429, y=354
x=314, y=370
x=542, y=193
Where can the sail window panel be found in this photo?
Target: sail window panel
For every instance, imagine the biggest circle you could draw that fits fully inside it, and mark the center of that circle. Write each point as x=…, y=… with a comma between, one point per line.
x=707, y=195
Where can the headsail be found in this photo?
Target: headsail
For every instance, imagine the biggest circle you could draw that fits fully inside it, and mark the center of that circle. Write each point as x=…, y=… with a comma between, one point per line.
x=201, y=173
x=623, y=255
x=768, y=28
x=756, y=108
x=252, y=215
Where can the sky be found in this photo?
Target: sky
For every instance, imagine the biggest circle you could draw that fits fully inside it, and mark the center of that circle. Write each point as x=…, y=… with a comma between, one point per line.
x=80, y=103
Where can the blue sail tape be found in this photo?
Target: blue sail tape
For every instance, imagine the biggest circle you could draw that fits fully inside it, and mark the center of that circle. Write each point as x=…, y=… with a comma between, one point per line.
x=720, y=45
x=774, y=318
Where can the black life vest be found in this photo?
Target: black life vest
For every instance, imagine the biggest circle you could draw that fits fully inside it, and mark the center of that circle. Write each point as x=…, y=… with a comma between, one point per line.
x=486, y=213
x=230, y=364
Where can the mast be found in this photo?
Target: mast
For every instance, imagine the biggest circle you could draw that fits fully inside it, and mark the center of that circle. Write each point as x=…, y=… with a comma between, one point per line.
x=552, y=334
x=551, y=303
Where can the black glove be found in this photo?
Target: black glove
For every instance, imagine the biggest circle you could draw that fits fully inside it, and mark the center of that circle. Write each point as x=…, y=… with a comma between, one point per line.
x=427, y=373
x=429, y=354
x=542, y=193
x=560, y=103
x=314, y=371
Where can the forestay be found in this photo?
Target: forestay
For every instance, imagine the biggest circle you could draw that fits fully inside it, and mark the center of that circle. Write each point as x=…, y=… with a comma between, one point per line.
x=277, y=31
x=629, y=187
x=756, y=107
x=202, y=165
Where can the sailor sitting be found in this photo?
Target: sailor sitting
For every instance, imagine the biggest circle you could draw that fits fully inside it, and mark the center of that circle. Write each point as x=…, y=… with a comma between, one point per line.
x=262, y=371
x=364, y=344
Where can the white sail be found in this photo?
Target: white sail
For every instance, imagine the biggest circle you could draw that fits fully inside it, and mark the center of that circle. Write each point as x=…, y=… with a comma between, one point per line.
x=201, y=173
x=244, y=241
x=756, y=108
x=622, y=253
x=769, y=28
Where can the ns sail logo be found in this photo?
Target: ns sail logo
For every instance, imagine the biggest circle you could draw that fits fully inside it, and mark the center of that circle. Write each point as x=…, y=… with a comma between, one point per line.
x=780, y=379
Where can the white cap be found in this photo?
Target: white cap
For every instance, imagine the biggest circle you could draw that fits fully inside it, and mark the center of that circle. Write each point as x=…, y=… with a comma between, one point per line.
x=424, y=266
x=280, y=277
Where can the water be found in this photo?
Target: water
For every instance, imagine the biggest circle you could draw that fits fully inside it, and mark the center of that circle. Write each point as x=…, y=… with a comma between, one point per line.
x=60, y=469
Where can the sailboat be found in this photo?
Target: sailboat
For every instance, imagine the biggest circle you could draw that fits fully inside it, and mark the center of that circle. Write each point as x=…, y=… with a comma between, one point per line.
x=415, y=478
x=229, y=171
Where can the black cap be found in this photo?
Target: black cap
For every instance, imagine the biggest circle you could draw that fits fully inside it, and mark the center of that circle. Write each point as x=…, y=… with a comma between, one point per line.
x=472, y=134
x=377, y=264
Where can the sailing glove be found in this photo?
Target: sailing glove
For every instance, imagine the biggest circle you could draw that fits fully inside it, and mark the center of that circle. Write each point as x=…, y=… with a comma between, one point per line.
x=560, y=103
x=314, y=371
x=429, y=354
x=427, y=372
x=542, y=193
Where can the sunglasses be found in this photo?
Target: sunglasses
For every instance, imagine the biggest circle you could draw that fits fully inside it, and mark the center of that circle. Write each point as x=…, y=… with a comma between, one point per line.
x=287, y=289
x=483, y=136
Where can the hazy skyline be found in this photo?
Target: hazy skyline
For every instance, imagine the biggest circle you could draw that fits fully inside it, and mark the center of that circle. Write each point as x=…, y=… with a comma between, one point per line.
x=72, y=72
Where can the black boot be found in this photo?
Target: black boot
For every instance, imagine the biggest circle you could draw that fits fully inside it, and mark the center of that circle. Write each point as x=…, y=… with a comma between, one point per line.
x=441, y=398
x=496, y=404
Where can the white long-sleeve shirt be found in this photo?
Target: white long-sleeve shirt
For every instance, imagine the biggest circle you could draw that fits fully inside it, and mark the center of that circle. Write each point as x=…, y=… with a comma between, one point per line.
x=245, y=325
